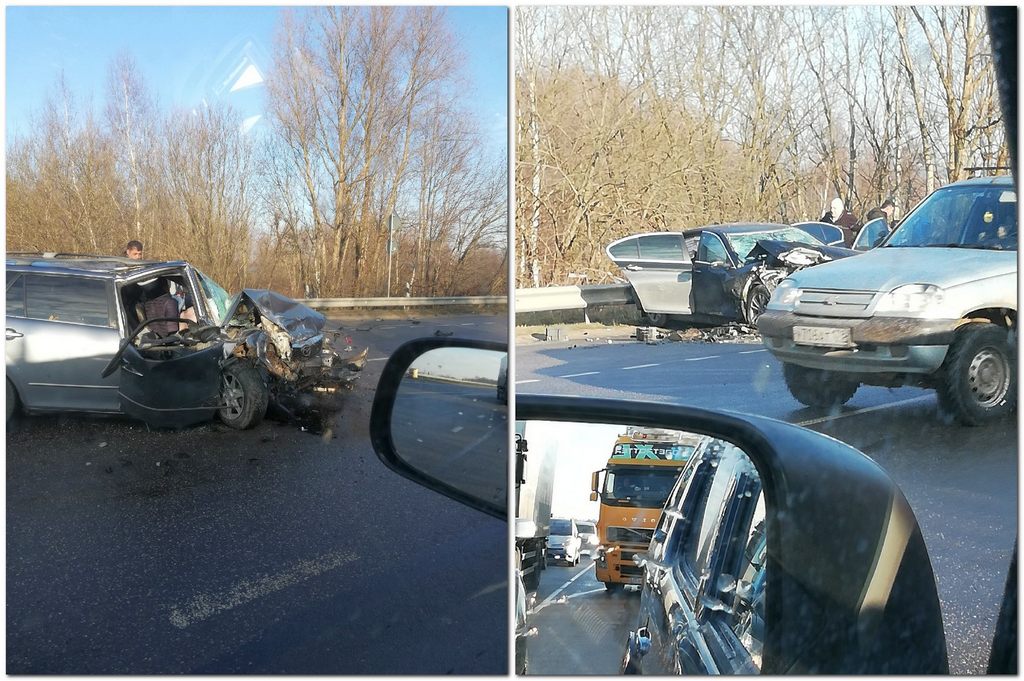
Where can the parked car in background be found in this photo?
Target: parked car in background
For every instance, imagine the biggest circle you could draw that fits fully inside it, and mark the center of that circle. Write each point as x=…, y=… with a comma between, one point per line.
x=564, y=541
x=826, y=233
x=588, y=537
x=935, y=306
x=717, y=273
x=79, y=338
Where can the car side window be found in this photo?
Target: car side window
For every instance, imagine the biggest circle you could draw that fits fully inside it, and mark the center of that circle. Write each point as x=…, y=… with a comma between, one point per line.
x=625, y=250
x=711, y=249
x=746, y=616
x=79, y=300
x=16, y=297
x=662, y=247
x=829, y=234
x=869, y=234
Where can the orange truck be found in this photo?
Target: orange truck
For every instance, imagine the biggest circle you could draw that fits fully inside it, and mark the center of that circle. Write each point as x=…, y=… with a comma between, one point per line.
x=633, y=488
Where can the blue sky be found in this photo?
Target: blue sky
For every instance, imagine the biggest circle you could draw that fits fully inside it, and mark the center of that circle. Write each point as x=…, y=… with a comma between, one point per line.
x=187, y=54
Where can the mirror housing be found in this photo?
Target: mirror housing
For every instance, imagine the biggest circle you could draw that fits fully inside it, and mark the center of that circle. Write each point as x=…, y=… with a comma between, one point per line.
x=842, y=589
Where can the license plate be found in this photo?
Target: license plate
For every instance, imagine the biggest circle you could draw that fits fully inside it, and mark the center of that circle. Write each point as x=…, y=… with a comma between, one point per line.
x=822, y=336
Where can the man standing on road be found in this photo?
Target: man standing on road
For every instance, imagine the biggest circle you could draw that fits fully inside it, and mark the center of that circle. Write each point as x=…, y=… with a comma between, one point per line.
x=840, y=217
x=133, y=249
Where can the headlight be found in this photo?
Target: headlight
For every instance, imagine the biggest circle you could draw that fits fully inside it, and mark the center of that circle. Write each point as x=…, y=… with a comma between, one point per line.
x=786, y=295
x=911, y=298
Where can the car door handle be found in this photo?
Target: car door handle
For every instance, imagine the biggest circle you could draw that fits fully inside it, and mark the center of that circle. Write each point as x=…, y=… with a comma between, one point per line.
x=13, y=333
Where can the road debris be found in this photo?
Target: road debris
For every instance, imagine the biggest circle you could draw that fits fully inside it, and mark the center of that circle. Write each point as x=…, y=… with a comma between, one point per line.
x=733, y=332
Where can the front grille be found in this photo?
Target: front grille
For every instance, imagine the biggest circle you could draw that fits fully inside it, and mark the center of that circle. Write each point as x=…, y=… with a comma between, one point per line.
x=629, y=535
x=831, y=303
x=630, y=570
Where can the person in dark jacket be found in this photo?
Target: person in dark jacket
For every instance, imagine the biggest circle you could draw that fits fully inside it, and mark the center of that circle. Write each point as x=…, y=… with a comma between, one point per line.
x=840, y=217
x=157, y=303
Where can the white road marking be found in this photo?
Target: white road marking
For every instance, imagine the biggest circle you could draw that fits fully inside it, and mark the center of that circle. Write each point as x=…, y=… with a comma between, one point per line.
x=204, y=606
x=599, y=589
x=639, y=366
x=468, y=324
x=382, y=328
x=750, y=352
x=865, y=410
x=585, y=373
x=697, y=359
x=547, y=601
x=529, y=380
x=378, y=359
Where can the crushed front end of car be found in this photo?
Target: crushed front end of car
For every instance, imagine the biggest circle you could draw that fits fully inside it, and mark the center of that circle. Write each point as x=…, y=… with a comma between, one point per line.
x=289, y=340
x=771, y=261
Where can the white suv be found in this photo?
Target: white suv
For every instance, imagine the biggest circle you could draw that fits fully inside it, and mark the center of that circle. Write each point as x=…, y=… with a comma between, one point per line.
x=935, y=305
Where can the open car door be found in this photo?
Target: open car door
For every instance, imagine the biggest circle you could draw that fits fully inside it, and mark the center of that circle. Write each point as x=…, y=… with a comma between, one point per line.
x=171, y=393
x=658, y=268
x=168, y=382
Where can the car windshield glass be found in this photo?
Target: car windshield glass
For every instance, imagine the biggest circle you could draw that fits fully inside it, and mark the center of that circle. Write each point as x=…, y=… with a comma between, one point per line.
x=648, y=485
x=217, y=299
x=586, y=528
x=744, y=243
x=561, y=526
x=965, y=216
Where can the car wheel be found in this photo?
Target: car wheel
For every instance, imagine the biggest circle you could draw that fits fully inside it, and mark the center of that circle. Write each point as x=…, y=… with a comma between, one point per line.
x=244, y=396
x=757, y=300
x=978, y=381
x=818, y=388
x=12, y=399
x=612, y=587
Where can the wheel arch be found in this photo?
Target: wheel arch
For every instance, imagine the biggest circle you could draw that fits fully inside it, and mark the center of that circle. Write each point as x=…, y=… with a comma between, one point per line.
x=1000, y=316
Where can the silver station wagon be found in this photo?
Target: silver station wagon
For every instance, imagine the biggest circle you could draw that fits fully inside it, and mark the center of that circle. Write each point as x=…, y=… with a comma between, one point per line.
x=158, y=341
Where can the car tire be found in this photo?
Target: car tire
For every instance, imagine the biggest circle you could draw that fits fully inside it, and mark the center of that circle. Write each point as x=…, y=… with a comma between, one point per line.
x=818, y=388
x=756, y=302
x=12, y=399
x=612, y=587
x=978, y=382
x=244, y=395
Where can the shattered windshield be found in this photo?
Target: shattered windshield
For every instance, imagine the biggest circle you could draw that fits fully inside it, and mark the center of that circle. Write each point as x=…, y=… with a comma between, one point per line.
x=983, y=217
x=217, y=299
x=744, y=243
x=650, y=486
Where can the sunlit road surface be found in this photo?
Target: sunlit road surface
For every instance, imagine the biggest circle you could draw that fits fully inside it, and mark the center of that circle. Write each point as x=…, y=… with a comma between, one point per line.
x=210, y=551
x=961, y=482
x=581, y=626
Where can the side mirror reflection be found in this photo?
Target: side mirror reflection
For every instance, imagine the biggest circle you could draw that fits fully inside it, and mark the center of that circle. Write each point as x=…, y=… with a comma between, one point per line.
x=449, y=424
x=675, y=505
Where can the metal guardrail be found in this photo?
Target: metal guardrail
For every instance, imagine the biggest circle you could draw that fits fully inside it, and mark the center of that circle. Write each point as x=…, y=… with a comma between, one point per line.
x=545, y=299
x=355, y=303
x=572, y=297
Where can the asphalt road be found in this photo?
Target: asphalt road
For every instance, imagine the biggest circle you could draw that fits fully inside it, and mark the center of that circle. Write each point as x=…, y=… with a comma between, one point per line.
x=581, y=627
x=274, y=550
x=456, y=432
x=961, y=482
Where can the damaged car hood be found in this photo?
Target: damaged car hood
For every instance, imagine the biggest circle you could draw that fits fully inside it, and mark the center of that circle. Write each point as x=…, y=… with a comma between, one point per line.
x=775, y=252
x=302, y=323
